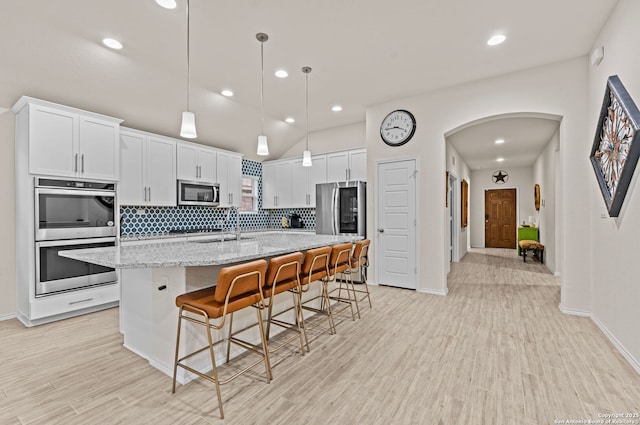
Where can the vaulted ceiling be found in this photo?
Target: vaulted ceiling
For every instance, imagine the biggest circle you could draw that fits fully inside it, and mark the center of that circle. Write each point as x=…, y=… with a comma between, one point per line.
x=363, y=52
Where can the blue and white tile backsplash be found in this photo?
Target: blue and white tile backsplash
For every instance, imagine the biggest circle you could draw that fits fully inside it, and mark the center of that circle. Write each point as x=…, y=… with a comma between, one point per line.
x=135, y=220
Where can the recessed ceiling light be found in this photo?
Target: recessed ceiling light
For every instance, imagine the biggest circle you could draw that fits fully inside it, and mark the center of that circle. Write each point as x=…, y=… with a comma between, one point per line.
x=226, y=92
x=290, y=120
x=281, y=73
x=111, y=43
x=167, y=4
x=500, y=159
x=336, y=108
x=499, y=141
x=496, y=39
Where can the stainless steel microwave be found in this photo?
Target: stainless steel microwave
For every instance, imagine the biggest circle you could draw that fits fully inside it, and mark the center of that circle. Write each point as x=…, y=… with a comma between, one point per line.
x=198, y=193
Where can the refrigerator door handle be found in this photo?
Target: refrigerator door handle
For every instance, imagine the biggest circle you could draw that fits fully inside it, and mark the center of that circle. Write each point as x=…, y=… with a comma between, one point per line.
x=335, y=207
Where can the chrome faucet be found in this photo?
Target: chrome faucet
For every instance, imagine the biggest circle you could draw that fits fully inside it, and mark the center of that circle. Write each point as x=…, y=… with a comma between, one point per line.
x=237, y=226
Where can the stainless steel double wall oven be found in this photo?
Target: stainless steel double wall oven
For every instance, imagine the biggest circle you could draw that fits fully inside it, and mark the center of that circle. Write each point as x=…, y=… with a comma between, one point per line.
x=72, y=214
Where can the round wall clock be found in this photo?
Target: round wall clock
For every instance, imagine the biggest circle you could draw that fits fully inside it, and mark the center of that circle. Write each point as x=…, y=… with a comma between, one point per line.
x=500, y=177
x=398, y=127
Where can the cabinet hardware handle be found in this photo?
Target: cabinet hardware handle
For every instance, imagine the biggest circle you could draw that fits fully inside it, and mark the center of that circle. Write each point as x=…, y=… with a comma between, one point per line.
x=80, y=301
x=145, y=193
x=149, y=193
x=162, y=287
x=75, y=167
x=381, y=230
x=82, y=162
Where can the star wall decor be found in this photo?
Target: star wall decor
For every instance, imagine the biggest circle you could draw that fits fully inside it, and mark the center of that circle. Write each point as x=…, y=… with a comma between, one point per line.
x=500, y=177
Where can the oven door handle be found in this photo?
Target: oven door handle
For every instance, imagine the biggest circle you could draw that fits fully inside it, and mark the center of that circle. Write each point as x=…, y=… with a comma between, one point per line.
x=87, y=241
x=75, y=192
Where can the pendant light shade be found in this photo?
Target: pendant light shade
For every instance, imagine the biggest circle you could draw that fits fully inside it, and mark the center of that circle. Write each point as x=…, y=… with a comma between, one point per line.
x=263, y=146
x=306, y=155
x=188, y=128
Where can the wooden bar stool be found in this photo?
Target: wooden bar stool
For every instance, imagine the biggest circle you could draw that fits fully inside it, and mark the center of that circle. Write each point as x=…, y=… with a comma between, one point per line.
x=283, y=274
x=339, y=263
x=360, y=261
x=315, y=268
x=238, y=287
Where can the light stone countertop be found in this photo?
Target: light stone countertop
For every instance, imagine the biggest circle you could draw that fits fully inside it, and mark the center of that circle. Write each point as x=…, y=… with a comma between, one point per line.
x=203, y=251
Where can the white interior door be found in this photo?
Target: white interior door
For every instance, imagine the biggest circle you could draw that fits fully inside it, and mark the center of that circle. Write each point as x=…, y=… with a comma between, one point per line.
x=396, y=217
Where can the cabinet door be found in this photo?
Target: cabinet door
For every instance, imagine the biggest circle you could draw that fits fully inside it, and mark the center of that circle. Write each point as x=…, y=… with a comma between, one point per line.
x=98, y=149
x=317, y=174
x=207, y=165
x=285, y=185
x=337, y=165
x=358, y=164
x=222, y=171
x=269, y=184
x=300, y=184
x=53, y=138
x=161, y=172
x=131, y=188
x=234, y=179
x=187, y=162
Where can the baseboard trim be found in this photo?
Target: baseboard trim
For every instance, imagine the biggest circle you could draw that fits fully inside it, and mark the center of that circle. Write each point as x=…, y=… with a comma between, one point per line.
x=7, y=317
x=628, y=356
x=573, y=312
x=433, y=291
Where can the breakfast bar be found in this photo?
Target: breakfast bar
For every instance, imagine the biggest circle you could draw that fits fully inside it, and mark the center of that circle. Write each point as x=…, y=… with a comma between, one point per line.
x=154, y=273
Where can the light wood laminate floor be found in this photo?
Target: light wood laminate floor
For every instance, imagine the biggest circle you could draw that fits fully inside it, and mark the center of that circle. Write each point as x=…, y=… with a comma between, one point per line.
x=496, y=350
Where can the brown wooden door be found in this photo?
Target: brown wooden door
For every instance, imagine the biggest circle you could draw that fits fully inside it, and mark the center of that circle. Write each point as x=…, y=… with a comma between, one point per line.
x=500, y=218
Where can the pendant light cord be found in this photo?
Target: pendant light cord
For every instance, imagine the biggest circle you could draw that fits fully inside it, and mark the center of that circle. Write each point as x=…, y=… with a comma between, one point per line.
x=262, y=86
x=306, y=98
x=188, y=58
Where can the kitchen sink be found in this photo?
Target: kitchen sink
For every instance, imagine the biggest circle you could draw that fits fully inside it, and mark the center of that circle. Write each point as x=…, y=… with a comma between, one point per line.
x=225, y=238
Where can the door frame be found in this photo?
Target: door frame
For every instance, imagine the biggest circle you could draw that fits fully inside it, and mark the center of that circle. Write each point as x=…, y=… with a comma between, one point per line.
x=484, y=230
x=376, y=181
x=454, y=217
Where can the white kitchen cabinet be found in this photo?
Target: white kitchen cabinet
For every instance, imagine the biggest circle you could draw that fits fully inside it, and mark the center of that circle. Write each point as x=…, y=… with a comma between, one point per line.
x=229, y=176
x=277, y=184
x=69, y=142
x=196, y=163
x=148, y=169
x=347, y=165
x=304, y=180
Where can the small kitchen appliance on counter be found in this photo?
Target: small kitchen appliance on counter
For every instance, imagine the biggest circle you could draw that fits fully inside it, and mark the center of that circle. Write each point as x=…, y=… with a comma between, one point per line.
x=295, y=221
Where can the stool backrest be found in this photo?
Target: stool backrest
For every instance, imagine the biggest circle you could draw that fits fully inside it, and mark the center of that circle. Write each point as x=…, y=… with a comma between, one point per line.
x=241, y=282
x=316, y=262
x=361, y=253
x=340, y=257
x=283, y=269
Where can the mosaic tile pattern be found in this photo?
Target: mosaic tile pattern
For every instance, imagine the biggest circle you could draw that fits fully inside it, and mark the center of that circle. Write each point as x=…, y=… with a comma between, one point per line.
x=135, y=220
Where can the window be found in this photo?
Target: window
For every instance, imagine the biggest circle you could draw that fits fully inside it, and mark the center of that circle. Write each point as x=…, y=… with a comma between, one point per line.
x=249, y=194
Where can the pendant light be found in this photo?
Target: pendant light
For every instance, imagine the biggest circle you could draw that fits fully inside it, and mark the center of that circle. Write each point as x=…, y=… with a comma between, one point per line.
x=188, y=128
x=306, y=155
x=263, y=147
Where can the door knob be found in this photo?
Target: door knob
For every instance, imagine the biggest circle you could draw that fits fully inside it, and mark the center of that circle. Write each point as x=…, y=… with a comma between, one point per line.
x=381, y=230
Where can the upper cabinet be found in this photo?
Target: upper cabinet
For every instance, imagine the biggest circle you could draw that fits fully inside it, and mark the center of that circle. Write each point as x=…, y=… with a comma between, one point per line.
x=277, y=184
x=148, y=169
x=229, y=176
x=304, y=181
x=67, y=142
x=196, y=163
x=347, y=165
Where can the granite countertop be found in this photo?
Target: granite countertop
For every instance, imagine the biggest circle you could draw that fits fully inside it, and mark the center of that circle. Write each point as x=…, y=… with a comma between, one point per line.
x=204, y=251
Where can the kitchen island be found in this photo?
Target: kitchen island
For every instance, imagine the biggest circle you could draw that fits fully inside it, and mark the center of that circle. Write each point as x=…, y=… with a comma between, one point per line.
x=154, y=273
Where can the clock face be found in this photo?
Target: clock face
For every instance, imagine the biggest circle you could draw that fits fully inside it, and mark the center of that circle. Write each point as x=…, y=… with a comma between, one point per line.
x=398, y=127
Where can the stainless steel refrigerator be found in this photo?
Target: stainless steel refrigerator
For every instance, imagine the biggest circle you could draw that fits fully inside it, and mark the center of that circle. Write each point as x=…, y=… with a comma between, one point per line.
x=341, y=208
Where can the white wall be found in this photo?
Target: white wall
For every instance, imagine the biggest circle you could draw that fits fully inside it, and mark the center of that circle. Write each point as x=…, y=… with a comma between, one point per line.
x=614, y=247
x=7, y=217
x=520, y=178
x=557, y=89
x=544, y=174
x=459, y=168
x=330, y=140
